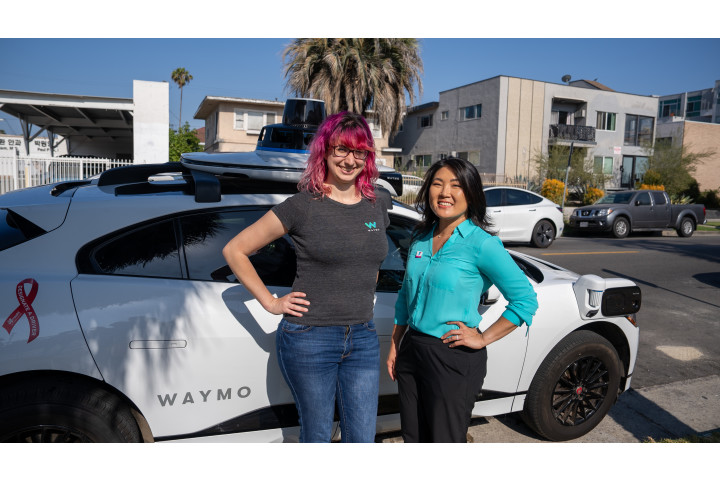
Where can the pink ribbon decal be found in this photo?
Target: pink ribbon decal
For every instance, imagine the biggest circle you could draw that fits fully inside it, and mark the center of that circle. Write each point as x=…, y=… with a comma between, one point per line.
x=25, y=308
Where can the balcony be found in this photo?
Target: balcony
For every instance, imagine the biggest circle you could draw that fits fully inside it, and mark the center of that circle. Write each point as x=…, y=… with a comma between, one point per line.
x=564, y=134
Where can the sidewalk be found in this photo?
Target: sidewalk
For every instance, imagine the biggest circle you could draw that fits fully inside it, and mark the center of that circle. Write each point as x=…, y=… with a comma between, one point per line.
x=667, y=411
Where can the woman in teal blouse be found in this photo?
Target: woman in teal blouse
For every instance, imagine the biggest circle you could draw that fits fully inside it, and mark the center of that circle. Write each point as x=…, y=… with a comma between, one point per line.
x=441, y=362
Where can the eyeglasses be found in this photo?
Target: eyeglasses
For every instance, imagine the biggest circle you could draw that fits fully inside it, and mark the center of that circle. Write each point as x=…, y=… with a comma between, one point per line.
x=342, y=151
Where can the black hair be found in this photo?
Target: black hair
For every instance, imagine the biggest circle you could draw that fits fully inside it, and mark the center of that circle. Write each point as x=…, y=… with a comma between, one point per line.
x=472, y=188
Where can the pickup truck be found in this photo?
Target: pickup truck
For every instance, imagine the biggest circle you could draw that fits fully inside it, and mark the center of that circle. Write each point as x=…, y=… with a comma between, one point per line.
x=638, y=210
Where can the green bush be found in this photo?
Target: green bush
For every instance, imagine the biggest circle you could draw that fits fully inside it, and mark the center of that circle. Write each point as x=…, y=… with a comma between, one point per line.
x=709, y=198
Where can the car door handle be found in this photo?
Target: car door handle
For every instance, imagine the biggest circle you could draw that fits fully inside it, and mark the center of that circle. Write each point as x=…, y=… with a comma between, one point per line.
x=533, y=209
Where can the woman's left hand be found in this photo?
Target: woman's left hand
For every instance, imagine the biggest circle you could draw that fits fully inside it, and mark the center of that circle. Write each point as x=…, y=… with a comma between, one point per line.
x=463, y=335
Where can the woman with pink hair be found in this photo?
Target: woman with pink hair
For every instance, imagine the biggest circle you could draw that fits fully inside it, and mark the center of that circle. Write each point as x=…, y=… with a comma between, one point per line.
x=327, y=346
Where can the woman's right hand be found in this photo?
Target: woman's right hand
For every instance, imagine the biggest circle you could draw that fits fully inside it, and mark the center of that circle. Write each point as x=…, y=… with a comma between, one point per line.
x=293, y=304
x=397, y=335
x=392, y=355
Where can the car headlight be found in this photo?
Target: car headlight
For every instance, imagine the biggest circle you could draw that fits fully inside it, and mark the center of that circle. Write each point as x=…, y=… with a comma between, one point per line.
x=604, y=212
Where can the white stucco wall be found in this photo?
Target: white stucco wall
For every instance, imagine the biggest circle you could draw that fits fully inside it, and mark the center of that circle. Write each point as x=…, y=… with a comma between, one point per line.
x=151, y=121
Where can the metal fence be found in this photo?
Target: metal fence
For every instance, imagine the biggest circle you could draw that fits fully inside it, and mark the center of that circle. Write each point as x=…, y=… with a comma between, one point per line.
x=22, y=172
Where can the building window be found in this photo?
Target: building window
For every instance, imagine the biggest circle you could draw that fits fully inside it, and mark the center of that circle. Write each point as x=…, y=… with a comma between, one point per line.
x=693, y=106
x=443, y=156
x=253, y=121
x=669, y=108
x=425, y=121
x=606, y=121
x=638, y=130
x=603, y=165
x=375, y=129
x=423, y=160
x=444, y=115
x=471, y=112
x=663, y=142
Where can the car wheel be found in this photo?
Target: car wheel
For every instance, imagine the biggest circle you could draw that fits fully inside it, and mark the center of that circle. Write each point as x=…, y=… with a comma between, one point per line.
x=621, y=228
x=574, y=387
x=64, y=412
x=543, y=234
x=687, y=227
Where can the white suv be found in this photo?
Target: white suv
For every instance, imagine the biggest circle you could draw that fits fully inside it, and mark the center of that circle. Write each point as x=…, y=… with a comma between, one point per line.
x=124, y=322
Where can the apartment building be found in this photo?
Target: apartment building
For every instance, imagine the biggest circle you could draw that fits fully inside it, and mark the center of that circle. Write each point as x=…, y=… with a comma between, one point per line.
x=234, y=124
x=692, y=119
x=698, y=106
x=500, y=124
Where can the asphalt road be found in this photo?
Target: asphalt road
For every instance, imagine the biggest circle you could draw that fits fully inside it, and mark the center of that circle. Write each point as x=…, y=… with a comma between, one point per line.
x=680, y=281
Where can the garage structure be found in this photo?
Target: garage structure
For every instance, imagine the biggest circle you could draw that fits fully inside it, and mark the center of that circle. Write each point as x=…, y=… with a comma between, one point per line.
x=135, y=129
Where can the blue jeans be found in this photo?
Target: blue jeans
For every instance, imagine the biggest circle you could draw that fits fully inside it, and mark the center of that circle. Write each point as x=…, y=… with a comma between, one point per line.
x=325, y=365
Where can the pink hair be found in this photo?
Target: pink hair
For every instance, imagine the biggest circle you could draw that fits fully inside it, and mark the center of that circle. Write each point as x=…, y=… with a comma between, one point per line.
x=351, y=130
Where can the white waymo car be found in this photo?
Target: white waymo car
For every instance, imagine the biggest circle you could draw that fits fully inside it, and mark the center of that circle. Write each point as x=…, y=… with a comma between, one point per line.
x=124, y=322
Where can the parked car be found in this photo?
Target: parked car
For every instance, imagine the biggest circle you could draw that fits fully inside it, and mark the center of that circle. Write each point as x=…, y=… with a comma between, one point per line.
x=411, y=183
x=519, y=215
x=638, y=210
x=126, y=324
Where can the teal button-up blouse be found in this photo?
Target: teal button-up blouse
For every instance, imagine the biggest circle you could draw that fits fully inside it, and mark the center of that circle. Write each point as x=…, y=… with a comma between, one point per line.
x=447, y=286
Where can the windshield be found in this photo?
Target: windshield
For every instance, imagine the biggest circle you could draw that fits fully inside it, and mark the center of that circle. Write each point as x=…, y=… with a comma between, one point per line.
x=619, y=197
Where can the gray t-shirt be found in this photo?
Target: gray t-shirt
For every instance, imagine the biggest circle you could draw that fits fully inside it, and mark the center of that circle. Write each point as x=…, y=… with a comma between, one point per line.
x=339, y=251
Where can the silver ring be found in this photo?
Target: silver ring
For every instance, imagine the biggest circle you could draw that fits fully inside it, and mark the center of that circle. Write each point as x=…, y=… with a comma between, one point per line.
x=456, y=337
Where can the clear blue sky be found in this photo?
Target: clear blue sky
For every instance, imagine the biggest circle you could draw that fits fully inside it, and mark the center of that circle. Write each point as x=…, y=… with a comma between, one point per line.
x=252, y=67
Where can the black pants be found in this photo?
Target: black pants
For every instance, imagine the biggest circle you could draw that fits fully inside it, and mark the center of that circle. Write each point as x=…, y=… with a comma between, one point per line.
x=438, y=386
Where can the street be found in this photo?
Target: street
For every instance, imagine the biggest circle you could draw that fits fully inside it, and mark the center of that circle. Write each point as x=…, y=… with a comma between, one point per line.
x=679, y=279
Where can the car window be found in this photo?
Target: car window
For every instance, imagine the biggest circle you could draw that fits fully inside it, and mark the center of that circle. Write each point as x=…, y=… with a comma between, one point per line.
x=148, y=251
x=610, y=198
x=519, y=197
x=643, y=199
x=205, y=234
x=493, y=198
x=392, y=270
x=659, y=198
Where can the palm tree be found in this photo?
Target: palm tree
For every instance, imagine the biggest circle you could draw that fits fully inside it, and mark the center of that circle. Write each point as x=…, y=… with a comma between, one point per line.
x=182, y=77
x=356, y=74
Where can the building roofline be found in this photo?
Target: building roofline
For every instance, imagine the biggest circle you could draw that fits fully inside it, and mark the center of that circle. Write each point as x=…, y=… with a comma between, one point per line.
x=214, y=100
x=60, y=99
x=541, y=81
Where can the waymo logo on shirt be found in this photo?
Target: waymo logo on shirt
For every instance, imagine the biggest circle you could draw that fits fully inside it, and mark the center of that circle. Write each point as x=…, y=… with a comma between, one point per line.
x=372, y=226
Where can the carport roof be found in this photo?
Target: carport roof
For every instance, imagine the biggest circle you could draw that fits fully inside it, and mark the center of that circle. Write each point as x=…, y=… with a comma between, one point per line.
x=70, y=115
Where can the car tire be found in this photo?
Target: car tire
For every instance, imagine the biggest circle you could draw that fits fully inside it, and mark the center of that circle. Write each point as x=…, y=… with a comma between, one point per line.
x=543, y=234
x=621, y=227
x=64, y=411
x=687, y=227
x=574, y=387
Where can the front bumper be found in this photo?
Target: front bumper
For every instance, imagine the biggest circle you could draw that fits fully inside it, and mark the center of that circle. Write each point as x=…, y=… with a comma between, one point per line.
x=590, y=223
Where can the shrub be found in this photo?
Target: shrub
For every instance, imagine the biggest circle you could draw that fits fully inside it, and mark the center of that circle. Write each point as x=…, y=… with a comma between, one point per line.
x=710, y=199
x=593, y=195
x=680, y=199
x=652, y=177
x=651, y=187
x=553, y=190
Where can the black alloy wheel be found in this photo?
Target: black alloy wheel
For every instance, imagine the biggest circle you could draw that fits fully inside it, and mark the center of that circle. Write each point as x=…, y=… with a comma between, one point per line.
x=543, y=234
x=580, y=391
x=47, y=434
x=574, y=387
